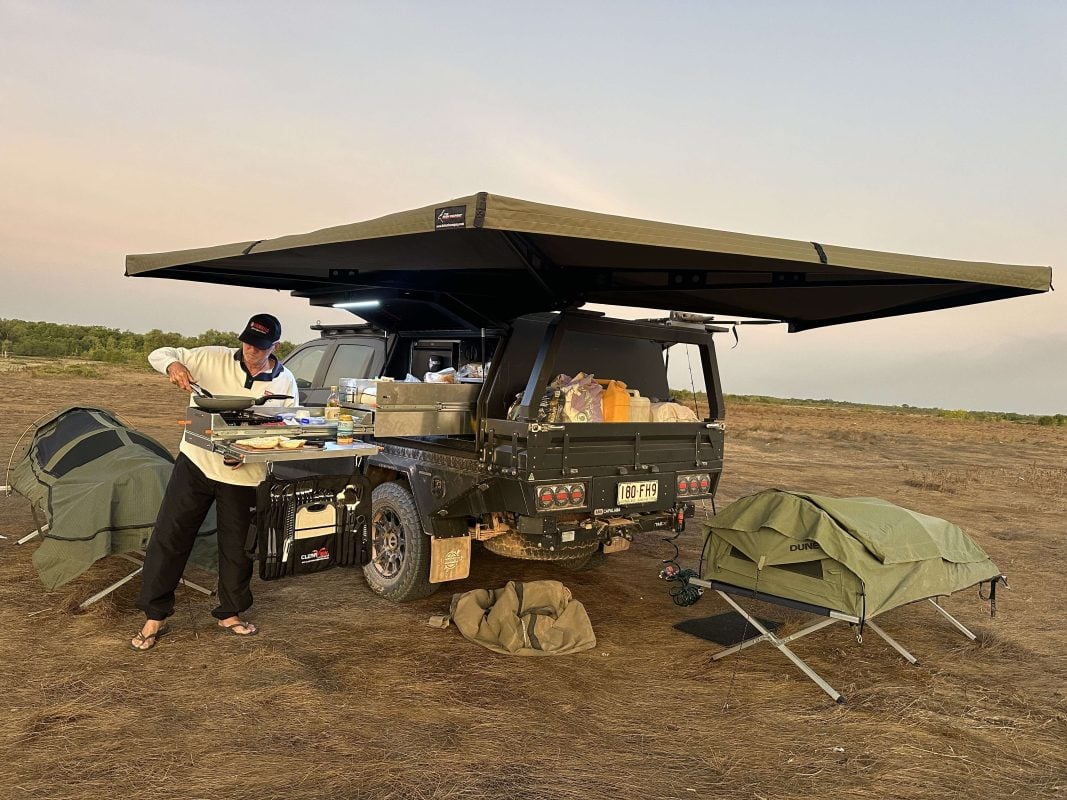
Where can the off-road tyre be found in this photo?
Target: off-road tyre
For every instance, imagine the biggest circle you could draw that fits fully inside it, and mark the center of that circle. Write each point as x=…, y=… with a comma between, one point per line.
x=514, y=545
x=585, y=563
x=399, y=566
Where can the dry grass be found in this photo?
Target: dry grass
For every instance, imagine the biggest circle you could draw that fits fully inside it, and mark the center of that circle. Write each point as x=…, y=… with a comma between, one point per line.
x=348, y=696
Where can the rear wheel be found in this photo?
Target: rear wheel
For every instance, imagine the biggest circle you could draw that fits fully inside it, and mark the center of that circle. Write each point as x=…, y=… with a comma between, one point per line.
x=399, y=566
x=585, y=563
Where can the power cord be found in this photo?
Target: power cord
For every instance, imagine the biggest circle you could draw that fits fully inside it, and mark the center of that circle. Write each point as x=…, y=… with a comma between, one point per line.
x=685, y=594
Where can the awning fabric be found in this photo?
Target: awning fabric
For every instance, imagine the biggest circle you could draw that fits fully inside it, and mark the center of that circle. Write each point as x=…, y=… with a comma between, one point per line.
x=492, y=258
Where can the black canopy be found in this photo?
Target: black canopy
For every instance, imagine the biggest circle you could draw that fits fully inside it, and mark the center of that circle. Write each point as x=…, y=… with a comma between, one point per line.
x=486, y=259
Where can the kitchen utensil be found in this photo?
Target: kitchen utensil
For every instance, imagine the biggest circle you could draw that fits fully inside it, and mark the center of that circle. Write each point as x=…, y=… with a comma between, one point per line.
x=224, y=402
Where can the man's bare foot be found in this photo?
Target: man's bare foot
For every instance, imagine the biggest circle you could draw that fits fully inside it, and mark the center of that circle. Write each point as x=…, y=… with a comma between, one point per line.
x=238, y=627
x=149, y=634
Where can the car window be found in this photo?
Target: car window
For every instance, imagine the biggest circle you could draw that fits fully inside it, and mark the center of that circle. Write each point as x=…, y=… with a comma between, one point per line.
x=305, y=363
x=350, y=361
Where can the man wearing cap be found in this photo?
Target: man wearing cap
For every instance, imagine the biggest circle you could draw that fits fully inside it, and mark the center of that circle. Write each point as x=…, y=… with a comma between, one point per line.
x=201, y=478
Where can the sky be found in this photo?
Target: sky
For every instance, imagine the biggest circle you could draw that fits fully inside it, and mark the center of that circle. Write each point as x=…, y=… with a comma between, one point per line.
x=934, y=128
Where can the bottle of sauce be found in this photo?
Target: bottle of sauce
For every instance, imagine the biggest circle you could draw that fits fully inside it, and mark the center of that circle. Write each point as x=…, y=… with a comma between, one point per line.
x=333, y=404
x=344, y=429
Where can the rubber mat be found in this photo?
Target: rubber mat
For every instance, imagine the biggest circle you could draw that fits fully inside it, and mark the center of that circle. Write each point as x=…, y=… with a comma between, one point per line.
x=726, y=629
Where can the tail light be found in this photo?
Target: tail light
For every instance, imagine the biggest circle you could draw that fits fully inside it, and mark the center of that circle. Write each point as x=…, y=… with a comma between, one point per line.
x=561, y=495
x=692, y=485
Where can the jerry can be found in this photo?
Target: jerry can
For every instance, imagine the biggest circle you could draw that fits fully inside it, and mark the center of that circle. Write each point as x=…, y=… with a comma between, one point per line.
x=640, y=407
x=616, y=401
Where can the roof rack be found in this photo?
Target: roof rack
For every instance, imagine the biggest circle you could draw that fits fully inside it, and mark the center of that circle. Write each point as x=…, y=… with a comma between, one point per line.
x=340, y=329
x=682, y=319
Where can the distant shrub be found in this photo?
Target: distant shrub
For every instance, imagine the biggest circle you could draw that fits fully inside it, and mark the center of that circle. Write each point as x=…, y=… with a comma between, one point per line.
x=955, y=414
x=68, y=370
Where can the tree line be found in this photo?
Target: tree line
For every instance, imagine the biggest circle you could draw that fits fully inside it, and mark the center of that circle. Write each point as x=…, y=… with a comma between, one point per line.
x=97, y=343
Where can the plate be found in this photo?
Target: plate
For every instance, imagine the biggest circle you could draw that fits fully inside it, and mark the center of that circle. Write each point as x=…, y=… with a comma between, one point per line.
x=633, y=492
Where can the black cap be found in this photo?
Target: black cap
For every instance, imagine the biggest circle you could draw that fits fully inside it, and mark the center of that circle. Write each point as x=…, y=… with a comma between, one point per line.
x=262, y=331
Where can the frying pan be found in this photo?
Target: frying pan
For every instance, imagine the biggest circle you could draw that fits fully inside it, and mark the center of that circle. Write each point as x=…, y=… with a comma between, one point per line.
x=225, y=402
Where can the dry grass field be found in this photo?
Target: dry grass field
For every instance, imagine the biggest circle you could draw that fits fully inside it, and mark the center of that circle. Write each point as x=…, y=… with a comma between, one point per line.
x=345, y=695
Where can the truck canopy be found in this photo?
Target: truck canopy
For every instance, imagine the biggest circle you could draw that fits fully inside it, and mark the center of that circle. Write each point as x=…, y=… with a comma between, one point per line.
x=486, y=259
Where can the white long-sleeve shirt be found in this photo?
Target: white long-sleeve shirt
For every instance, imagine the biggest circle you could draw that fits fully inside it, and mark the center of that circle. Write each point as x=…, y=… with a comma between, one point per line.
x=219, y=370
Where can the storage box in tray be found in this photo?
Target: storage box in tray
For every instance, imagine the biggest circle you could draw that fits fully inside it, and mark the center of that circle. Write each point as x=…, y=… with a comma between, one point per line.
x=413, y=409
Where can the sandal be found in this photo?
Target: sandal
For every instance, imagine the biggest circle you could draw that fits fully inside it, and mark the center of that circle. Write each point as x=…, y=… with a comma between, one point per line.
x=249, y=628
x=140, y=637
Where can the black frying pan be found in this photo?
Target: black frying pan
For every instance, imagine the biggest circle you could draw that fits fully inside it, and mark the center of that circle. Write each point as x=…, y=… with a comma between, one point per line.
x=224, y=402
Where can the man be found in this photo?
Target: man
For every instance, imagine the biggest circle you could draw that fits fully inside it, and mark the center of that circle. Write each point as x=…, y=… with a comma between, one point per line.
x=201, y=478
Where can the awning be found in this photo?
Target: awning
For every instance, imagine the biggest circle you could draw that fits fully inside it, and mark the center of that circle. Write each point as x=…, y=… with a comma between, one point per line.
x=492, y=258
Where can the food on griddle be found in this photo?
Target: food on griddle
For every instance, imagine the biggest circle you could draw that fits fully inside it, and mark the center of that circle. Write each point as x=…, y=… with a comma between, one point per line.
x=263, y=442
x=291, y=444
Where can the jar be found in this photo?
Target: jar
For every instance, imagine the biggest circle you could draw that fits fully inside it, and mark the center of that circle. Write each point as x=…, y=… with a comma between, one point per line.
x=344, y=429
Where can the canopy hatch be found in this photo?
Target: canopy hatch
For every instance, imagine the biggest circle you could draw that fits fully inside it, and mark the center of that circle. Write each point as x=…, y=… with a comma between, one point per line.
x=488, y=259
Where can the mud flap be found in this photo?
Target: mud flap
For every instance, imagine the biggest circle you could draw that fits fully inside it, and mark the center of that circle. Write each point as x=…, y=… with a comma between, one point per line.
x=450, y=559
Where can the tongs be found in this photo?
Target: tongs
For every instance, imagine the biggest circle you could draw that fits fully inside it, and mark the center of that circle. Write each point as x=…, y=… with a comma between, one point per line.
x=200, y=392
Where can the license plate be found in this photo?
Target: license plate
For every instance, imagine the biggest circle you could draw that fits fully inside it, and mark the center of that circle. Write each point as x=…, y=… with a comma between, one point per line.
x=637, y=492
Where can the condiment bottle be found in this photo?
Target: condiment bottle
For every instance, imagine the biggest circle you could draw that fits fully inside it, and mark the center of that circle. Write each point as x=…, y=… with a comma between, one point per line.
x=333, y=404
x=344, y=429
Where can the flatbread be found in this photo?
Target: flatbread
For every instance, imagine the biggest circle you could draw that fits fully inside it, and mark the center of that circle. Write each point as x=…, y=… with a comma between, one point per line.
x=263, y=442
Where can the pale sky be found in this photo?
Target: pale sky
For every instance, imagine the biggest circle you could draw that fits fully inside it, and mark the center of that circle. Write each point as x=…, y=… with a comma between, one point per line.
x=935, y=128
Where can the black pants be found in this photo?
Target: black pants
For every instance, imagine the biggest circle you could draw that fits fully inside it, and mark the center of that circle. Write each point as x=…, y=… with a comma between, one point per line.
x=185, y=505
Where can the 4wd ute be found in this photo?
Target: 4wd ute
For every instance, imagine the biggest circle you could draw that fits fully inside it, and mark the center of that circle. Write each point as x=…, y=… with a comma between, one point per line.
x=492, y=470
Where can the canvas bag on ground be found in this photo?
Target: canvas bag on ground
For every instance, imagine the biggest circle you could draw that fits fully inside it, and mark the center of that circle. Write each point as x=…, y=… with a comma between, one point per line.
x=537, y=618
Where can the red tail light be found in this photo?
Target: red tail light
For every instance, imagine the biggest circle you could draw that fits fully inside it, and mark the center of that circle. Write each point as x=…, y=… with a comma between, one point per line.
x=694, y=484
x=556, y=496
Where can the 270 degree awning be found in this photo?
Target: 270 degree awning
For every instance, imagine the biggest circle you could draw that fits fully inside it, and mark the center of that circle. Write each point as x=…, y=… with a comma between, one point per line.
x=491, y=258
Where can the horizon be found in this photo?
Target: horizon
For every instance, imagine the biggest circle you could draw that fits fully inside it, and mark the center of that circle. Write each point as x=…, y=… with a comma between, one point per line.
x=673, y=385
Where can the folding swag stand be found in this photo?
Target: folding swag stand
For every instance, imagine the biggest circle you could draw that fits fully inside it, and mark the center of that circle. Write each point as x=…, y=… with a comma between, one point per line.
x=725, y=590
x=121, y=581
